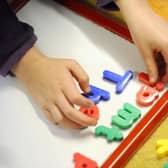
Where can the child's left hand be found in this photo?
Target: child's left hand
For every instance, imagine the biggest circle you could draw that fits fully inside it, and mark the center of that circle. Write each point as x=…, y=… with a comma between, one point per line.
x=149, y=32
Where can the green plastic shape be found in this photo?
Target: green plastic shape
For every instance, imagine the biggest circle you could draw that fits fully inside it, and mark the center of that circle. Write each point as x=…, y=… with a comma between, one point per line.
x=111, y=134
x=165, y=165
x=126, y=117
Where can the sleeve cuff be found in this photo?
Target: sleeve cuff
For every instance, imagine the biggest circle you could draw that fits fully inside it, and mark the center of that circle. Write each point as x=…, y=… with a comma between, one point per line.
x=107, y=4
x=17, y=55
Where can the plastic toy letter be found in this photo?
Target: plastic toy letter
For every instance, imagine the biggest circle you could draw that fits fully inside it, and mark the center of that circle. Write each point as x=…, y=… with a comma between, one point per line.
x=91, y=112
x=144, y=78
x=146, y=95
x=82, y=161
x=165, y=165
x=121, y=81
x=111, y=134
x=126, y=117
x=162, y=147
x=97, y=94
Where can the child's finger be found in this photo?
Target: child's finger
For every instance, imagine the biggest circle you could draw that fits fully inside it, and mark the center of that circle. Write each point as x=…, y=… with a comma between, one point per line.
x=61, y=119
x=165, y=55
x=150, y=64
x=73, y=114
x=73, y=95
x=80, y=75
x=66, y=123
x=165, y=77
x=49, y=116
x=56, y=117
x=161, y=64
x=55, y=113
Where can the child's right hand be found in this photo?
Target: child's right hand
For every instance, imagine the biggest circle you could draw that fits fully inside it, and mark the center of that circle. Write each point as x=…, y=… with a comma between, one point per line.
x=50, y=83
x=149, y=32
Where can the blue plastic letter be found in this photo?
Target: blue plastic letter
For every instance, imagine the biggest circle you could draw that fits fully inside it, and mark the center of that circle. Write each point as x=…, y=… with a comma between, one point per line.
x=97, y=94
x=121, y=81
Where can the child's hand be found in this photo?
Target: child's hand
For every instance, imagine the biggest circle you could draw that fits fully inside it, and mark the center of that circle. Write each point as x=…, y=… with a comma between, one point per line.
x=50, y=83
x=149, y=32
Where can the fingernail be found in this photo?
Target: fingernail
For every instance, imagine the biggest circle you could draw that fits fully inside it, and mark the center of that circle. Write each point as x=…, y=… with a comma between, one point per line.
x=152, y=79
x=87, y=90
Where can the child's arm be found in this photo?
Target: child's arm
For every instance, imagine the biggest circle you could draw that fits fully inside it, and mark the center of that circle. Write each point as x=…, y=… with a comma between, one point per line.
x=49, y=81
x=15, y=38
x=148, y=30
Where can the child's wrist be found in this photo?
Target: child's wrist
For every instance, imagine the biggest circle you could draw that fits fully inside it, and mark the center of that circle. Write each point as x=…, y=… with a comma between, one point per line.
x=130, y=2
x=26, y=62
x=132, y=9
x=132, y=5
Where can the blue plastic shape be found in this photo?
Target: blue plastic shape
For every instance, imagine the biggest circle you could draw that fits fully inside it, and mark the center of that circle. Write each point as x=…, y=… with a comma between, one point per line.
x=97, y=94
x=121, y=81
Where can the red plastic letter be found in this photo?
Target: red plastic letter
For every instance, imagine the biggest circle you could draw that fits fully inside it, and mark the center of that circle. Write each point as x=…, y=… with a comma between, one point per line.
x=82, y=161
x=91, y=112
x=146, y=95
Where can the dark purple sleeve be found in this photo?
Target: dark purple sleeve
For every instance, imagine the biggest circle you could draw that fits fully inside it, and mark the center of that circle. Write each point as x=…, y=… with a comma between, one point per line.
x=107, y=4
x=16, y=38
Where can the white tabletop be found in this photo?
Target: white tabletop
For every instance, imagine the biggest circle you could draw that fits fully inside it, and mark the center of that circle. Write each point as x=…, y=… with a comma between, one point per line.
x=27, y=139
